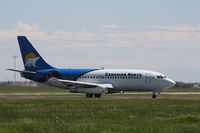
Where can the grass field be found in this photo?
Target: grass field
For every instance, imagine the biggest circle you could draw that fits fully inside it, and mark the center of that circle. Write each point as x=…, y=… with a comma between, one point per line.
x=109, y=114
x=105, y=115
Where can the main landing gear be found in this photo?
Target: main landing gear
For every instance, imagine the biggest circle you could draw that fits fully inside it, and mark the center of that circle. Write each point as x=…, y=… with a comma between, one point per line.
x=88, y=95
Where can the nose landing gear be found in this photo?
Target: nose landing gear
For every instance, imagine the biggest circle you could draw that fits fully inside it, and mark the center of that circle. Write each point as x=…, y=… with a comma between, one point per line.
x=154, y=96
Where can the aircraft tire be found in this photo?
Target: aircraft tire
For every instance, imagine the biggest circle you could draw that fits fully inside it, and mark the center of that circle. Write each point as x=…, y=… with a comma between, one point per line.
x=88, y=95
x=97, y=95
x=154, y=96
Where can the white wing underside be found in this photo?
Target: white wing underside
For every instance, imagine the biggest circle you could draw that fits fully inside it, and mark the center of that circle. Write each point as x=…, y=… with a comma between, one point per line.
x=79, y=84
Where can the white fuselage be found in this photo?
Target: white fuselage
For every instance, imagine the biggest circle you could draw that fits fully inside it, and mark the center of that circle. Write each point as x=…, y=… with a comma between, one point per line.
x=129, y=79
x=121, y=80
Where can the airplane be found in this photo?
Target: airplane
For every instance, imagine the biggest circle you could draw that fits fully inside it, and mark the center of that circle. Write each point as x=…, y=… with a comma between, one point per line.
x=92, y=82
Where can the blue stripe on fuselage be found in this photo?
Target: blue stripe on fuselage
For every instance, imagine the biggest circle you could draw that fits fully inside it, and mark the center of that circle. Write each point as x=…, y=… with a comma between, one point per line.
x=73, y=74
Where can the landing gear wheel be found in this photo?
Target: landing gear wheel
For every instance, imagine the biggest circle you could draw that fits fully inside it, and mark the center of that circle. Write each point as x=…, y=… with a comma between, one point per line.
x=153, y=96
x=97, y=95
x=89, y=95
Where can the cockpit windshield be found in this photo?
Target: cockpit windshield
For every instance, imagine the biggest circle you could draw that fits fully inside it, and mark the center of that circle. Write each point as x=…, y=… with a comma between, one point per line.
x=161, y=77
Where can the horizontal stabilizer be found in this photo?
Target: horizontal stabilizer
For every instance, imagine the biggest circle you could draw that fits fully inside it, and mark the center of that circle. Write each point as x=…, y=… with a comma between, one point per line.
x=21, y=71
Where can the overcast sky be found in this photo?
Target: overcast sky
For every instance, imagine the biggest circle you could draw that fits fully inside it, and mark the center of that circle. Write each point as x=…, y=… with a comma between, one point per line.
x=158, y=35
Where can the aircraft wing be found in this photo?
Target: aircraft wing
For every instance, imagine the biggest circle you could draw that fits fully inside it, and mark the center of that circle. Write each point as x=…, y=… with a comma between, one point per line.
x=79, y=84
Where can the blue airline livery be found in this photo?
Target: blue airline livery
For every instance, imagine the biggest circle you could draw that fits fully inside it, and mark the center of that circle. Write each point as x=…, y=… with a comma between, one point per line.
x=92, y=82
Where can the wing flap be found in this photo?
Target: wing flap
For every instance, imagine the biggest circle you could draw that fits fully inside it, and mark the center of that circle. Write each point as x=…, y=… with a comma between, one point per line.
x=78, y=84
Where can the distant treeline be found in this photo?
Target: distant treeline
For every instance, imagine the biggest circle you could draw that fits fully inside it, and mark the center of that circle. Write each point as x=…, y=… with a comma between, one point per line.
x=25, y=83
x=186, y=85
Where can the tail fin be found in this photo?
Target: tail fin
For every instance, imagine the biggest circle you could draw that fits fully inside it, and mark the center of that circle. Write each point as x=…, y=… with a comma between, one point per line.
x=31, y=58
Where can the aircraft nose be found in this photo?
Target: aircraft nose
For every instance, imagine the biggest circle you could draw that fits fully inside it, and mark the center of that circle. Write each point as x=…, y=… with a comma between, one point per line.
x=171, y=83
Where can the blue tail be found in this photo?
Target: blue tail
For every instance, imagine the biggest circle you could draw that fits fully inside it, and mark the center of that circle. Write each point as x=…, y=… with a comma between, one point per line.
x=31, y=58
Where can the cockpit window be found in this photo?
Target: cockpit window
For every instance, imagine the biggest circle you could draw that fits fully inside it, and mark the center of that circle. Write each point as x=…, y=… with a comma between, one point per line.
x=160, y=77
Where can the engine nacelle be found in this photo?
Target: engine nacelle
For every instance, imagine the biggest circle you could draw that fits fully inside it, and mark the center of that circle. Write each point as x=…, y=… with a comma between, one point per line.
x=96, y=90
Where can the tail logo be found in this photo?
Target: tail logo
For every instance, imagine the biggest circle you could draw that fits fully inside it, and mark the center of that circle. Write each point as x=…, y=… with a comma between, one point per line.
x=30, y=60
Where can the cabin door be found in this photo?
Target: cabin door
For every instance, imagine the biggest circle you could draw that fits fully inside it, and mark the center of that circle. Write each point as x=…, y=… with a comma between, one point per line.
x=148, y=79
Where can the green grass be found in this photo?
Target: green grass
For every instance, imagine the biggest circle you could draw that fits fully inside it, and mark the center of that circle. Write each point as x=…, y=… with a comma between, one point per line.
x=30, y=89
x=119, y=113
x=105, y=115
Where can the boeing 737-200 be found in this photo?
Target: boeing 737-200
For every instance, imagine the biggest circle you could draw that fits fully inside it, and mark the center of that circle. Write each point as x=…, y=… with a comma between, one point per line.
x=92, y=82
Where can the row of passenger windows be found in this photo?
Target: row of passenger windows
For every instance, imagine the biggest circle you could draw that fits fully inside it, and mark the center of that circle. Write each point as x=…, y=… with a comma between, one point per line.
x=107, y=77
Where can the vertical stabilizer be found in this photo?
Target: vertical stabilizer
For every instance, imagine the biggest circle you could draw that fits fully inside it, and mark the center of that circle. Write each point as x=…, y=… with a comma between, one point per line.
x=31, y=58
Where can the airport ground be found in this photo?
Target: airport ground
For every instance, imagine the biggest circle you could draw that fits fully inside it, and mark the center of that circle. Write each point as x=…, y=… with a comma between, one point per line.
x=53, y=110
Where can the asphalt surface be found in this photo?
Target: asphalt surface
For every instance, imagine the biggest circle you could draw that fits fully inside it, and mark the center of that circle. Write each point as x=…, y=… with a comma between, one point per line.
x=130, y=95
x=133, y=93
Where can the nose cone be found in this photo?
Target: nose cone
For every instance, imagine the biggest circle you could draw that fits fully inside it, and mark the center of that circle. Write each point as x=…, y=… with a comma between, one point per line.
x=170, y=83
